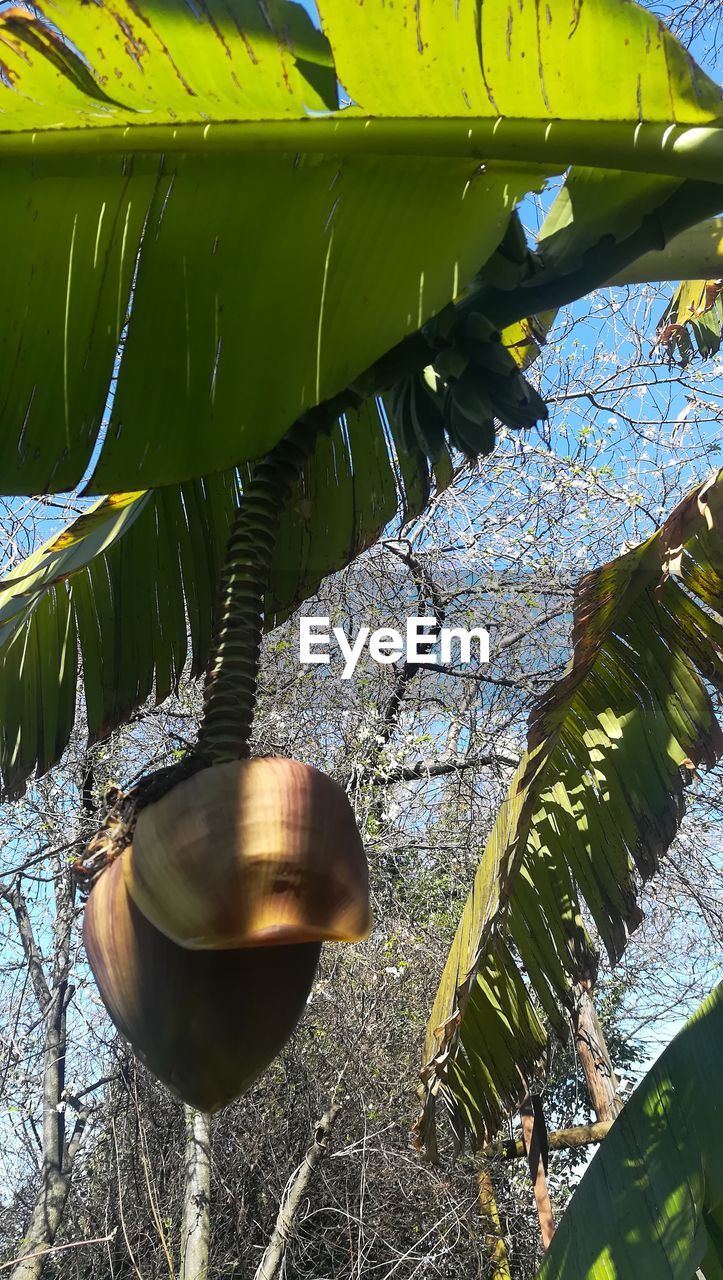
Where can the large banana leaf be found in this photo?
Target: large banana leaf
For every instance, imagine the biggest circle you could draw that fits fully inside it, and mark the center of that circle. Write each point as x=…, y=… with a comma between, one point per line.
x=596, y=800
x=130, y=586
x=198, y=230
x=651, y=1202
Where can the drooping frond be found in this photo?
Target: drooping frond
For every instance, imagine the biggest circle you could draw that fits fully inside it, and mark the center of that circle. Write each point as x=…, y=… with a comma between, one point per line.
x=595, y=802
x=126, y=593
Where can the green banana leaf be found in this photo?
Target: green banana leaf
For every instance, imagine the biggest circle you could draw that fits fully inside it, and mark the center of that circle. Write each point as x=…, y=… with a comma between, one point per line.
x=651, y=1202
x=204, y=245
x=595, y=802
x=60, y=134
x=125, y=594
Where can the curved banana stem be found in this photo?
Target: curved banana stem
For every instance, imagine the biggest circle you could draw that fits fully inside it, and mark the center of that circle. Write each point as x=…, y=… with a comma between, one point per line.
x=232, y=672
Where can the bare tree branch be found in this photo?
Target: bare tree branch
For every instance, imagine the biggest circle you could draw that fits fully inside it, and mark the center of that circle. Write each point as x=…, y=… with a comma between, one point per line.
x=275, y=1251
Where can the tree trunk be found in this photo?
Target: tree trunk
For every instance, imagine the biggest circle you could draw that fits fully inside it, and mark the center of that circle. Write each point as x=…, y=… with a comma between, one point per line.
x=196, y=1221
x=594, y=1058
x=495, y=1249
x=53, y=996
x=44, y=1223
x=273, y=1258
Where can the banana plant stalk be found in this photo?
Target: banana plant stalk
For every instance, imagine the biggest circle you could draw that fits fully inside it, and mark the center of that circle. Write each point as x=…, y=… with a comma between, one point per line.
x=231, y=678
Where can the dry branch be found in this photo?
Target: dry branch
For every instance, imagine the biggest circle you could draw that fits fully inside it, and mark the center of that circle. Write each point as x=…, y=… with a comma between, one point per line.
x=581, y=1135
x=273, y=1258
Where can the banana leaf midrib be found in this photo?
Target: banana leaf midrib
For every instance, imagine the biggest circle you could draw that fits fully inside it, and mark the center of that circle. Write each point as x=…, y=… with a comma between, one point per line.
x=677, y=150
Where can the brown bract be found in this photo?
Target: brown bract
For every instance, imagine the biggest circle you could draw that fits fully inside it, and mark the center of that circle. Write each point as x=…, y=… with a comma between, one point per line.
x=251, y=853
x=207, y=1023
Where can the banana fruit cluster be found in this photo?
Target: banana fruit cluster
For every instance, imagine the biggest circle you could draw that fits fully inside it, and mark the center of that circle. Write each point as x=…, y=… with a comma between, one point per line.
x=473, y=383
